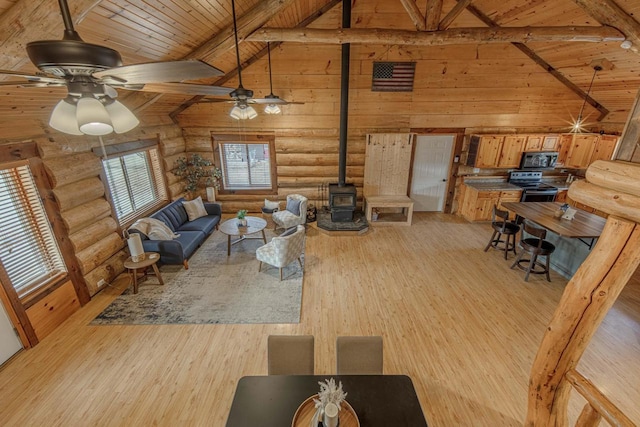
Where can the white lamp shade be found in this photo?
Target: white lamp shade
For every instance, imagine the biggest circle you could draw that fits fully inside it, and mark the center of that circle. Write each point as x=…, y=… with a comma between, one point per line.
x=122, y=118
x=135, y=247
x=63, y=118
x=272, y=109
x=243, y=112
x=92, y=116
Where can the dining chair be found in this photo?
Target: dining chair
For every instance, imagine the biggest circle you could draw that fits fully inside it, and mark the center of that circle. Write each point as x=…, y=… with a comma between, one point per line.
x=359, y=355
x=290, y=354
x=534, y=246
x=502, y=227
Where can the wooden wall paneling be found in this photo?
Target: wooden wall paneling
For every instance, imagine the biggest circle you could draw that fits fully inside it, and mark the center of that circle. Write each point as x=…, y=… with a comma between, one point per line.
x=387, y=164
x=107, y=271
x=96, y=254
x=171, y=146
x=320, y=171
x=16, y=311
x=48, y=313
x=73, y=168
x=72, y=195
x=85, y=214
x=93, y=233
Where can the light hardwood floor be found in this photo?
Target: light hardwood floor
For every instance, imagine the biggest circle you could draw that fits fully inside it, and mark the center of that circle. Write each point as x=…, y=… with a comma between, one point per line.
x=455, y=319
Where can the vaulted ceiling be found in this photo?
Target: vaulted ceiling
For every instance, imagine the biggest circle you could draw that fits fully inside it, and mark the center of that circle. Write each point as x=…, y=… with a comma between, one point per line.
x=144, y=31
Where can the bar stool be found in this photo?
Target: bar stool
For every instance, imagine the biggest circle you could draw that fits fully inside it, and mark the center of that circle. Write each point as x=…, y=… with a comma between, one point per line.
x=534, y=246
x=502, y=226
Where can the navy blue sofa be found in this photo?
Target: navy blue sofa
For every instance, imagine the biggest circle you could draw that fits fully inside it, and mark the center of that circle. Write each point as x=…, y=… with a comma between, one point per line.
x=192, y=233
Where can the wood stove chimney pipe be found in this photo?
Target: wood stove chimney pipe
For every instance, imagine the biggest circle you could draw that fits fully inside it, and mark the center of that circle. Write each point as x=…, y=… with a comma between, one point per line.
x=344, y=96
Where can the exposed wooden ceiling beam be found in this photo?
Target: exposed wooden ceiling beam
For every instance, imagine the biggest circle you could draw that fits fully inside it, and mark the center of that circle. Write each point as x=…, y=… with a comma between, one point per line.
x=434, y=10
x=231, y=74
x=607, y=12
x=414, y=13
x=544, y=64
x=453, y=14
x=435, y=38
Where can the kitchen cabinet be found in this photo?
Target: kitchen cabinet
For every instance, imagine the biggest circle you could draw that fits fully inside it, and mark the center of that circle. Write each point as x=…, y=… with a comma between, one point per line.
x=604, y=148
x=534, y=143
x=561, y=197
x=581, y=150
x=564, y=145
x=477, y=205
x=509, y=196
x=550, y=142
x=511, y=151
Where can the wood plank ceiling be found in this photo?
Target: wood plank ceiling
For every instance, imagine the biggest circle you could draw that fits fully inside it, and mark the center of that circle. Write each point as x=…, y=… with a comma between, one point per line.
x=144, y=31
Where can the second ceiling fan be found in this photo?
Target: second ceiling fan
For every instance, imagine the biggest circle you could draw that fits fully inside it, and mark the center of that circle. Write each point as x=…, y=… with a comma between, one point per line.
x=241, y=97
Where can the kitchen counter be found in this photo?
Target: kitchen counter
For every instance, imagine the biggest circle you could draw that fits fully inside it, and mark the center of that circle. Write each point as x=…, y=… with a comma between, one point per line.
x=487, y=185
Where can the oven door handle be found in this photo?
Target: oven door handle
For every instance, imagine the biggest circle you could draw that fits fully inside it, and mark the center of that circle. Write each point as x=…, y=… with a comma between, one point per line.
x=541, y=192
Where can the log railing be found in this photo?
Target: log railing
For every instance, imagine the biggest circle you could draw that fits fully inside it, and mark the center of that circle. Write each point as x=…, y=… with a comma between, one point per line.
x=612, y=187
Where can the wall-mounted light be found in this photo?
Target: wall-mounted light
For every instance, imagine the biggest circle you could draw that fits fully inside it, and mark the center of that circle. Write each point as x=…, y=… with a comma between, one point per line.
x=579, y=123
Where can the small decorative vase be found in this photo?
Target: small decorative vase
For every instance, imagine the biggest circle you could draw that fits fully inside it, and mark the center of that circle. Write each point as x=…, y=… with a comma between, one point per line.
x=331, y=415
x=243, y=222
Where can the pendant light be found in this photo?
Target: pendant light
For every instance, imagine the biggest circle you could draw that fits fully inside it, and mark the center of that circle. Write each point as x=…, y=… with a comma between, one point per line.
x=578, y=125
x=242, y=110
x=271, y=108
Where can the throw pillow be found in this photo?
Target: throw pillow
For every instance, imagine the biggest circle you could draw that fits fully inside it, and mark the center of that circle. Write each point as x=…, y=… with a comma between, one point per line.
x=271, y=205
x=289, y=231
x=195, y=208
x=293, y=206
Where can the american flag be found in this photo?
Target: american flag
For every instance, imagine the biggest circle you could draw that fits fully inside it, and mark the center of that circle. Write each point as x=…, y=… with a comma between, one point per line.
x=393, y=76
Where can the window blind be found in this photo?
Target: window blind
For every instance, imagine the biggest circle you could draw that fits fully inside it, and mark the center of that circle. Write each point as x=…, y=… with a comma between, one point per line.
x=245, y=166
x=28, y=250
x=135, y=183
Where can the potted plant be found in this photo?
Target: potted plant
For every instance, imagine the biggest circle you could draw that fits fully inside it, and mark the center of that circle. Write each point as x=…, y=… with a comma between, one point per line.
x=242, y=221
x=197, y=172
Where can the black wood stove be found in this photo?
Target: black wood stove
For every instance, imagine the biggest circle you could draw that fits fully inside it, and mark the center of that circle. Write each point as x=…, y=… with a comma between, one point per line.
x=342, y=202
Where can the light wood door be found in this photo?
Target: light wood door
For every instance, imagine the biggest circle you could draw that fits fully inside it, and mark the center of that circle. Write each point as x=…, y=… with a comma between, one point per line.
x=430, y=171
x=534, y=143
x=511, y=152
x=9, y=342
x=489, y=151
x=604, y=148
x=581, y=150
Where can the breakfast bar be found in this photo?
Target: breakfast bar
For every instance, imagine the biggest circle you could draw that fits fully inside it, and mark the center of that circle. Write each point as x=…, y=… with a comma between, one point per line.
x=568, y=236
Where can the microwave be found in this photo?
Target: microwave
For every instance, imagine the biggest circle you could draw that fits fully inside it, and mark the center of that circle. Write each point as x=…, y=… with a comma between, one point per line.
x=539, y=160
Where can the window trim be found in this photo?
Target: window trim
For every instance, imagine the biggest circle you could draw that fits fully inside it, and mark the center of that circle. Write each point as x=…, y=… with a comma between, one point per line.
x=247, y=139
x=121, y=150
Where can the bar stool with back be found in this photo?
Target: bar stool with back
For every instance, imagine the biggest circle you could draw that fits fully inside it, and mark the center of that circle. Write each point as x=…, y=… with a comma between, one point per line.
x=502, y=226
x=534, y=246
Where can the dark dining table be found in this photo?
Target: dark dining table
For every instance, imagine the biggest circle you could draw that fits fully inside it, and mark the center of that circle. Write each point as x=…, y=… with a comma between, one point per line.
x=583, y=225
x=378, y=400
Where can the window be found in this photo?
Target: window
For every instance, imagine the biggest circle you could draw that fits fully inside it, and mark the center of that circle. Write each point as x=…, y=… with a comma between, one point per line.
x=246, y=162
x=135, y=183
x=28, y=249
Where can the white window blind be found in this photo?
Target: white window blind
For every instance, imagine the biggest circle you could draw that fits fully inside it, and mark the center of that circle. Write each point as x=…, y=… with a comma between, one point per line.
x=28, y=249
x=245, y=166
x=135, y=183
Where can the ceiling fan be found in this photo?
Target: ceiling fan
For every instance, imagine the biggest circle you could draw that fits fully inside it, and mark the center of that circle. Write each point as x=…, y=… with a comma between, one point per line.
x=91, y=72
x=242, y=97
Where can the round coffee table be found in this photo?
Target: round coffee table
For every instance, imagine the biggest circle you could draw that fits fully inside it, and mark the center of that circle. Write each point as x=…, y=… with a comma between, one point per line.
x=254, y=225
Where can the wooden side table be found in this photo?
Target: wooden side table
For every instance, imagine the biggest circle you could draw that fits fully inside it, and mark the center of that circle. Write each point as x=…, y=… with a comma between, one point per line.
x=150, y=260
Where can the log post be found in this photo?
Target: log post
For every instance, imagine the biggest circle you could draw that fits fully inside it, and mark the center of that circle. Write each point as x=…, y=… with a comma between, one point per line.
x=592, y=290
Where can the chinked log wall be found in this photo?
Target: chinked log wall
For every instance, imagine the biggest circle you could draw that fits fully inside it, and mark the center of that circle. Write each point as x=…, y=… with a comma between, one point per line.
x=74, y=173
x=304, y=161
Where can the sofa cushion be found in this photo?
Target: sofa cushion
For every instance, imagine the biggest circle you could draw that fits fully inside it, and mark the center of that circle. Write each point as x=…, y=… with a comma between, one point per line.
x=190, y=240
x=205, y=224
x=194, y=208
x=174, y=214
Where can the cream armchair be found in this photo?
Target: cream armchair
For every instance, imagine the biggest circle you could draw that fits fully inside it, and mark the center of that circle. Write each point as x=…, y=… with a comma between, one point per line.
x=283, y=250
x=290, y=217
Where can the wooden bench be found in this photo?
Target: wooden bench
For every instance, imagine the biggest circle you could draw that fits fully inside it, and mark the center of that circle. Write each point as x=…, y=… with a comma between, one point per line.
x=386, y=218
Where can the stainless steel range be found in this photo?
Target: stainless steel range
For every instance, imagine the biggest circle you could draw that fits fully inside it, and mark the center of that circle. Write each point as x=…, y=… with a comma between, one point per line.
x=533, y=189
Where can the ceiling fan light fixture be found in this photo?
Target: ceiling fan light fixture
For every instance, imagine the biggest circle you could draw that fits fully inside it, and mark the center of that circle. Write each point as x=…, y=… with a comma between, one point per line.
x=122, y=118
x=92, y=116
x=243, y=112
x=272, y=109
x=63, y=117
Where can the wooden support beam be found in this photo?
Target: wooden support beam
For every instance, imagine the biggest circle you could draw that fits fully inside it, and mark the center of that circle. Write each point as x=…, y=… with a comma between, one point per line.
x=414, y=13
x=437, y=38
x=453, y=14
x=607, y=12
x=544, y=64
x=629, y=147
x=434, y=11
x=231, y=74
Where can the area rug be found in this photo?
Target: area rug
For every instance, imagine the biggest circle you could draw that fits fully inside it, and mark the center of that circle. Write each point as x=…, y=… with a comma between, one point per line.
x=215, y=289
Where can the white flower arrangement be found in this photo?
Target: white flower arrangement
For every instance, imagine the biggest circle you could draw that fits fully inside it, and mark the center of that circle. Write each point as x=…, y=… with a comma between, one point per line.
x=329, y=393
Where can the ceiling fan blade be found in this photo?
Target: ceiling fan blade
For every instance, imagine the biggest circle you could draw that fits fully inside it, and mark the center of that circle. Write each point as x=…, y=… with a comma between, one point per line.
x=158, y=72
x=277, y=101
x=31, y=84
x=33, y=77
x=212, y=100
x=181, y=88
